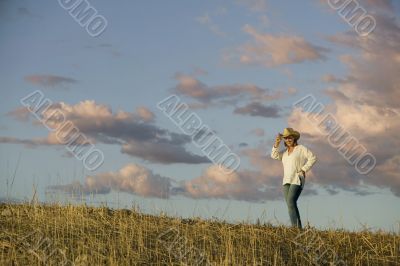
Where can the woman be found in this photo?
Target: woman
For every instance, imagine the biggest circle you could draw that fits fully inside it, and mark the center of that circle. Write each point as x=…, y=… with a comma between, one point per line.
x=296, y=160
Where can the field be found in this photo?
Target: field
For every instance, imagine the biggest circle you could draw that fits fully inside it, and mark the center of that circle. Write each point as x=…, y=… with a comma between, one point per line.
x=82, y=235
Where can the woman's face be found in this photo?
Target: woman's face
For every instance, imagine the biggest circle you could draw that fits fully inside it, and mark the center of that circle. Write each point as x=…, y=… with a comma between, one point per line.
x=289, y=140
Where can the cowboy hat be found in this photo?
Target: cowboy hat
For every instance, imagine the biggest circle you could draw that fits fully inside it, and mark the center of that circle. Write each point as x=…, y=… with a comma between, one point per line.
x=290, y=132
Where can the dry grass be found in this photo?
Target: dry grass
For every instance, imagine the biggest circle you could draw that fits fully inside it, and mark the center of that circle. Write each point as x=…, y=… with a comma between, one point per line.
x=81, y=235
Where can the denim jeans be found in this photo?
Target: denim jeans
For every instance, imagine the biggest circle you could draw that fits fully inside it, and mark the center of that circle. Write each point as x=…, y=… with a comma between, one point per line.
x=292, y=193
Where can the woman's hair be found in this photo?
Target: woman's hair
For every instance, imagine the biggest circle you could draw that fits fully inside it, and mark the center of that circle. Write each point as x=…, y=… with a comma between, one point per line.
x=294, y=142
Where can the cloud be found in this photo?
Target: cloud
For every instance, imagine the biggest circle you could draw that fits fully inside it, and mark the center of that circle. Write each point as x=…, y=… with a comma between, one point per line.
x=383, y=5
x=263, y=182
x=220, y=95
x=333, y=79
x=50, y=81
x=21, y=113
x=27, y=142
x=364, y=104
x=292, y=91
x=259, y=132
x=376, y=70
x=267, y=172
x=213, y=183
x=134, y=132
x=269, y=50
x=145, y=114
x=258, y=109
x=162, y=152
x=216, y=183
x=243, y=144
x=132, y=178
x=390, y=170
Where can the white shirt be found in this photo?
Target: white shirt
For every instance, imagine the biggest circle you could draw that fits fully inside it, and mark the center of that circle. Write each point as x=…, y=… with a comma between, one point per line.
x=299, y=159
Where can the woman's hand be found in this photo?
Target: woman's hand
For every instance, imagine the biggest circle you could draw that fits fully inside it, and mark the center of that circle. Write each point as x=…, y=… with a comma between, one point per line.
x=302, y=173
x=277, y=140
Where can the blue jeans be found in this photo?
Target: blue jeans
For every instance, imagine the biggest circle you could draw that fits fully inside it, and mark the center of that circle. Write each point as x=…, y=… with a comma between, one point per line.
x=292, y=193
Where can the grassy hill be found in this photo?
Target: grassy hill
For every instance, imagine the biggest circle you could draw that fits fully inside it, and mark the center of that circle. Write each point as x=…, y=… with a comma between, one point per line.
x=81, y=235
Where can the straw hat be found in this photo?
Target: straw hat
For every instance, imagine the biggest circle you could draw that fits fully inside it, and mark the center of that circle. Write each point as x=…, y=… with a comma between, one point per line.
x=290, y=132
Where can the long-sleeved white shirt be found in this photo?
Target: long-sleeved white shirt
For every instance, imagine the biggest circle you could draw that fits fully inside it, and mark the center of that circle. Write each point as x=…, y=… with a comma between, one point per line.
x=299, y=159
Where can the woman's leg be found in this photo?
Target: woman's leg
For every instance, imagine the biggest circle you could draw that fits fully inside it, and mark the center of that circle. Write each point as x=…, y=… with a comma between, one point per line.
x=293, y=193
x=286, y=191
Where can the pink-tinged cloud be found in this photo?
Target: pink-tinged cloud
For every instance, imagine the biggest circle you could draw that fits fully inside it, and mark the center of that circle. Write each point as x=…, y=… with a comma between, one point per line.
x=221, y=95
x=291, y=90
x=332, y=79
x=29, y=143
x=259, y=132
x=364, y=106
x=262, y=182
x=216, y=183
x=274, y=50
x=21, y=113
x=328, y=173
x=213, y=183
x=51, y=81
x=145, y=114
x=134, y=132
x=132, y=178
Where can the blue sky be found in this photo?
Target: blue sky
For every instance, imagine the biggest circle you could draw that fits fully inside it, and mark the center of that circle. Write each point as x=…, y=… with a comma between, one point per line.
x=240, y=65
